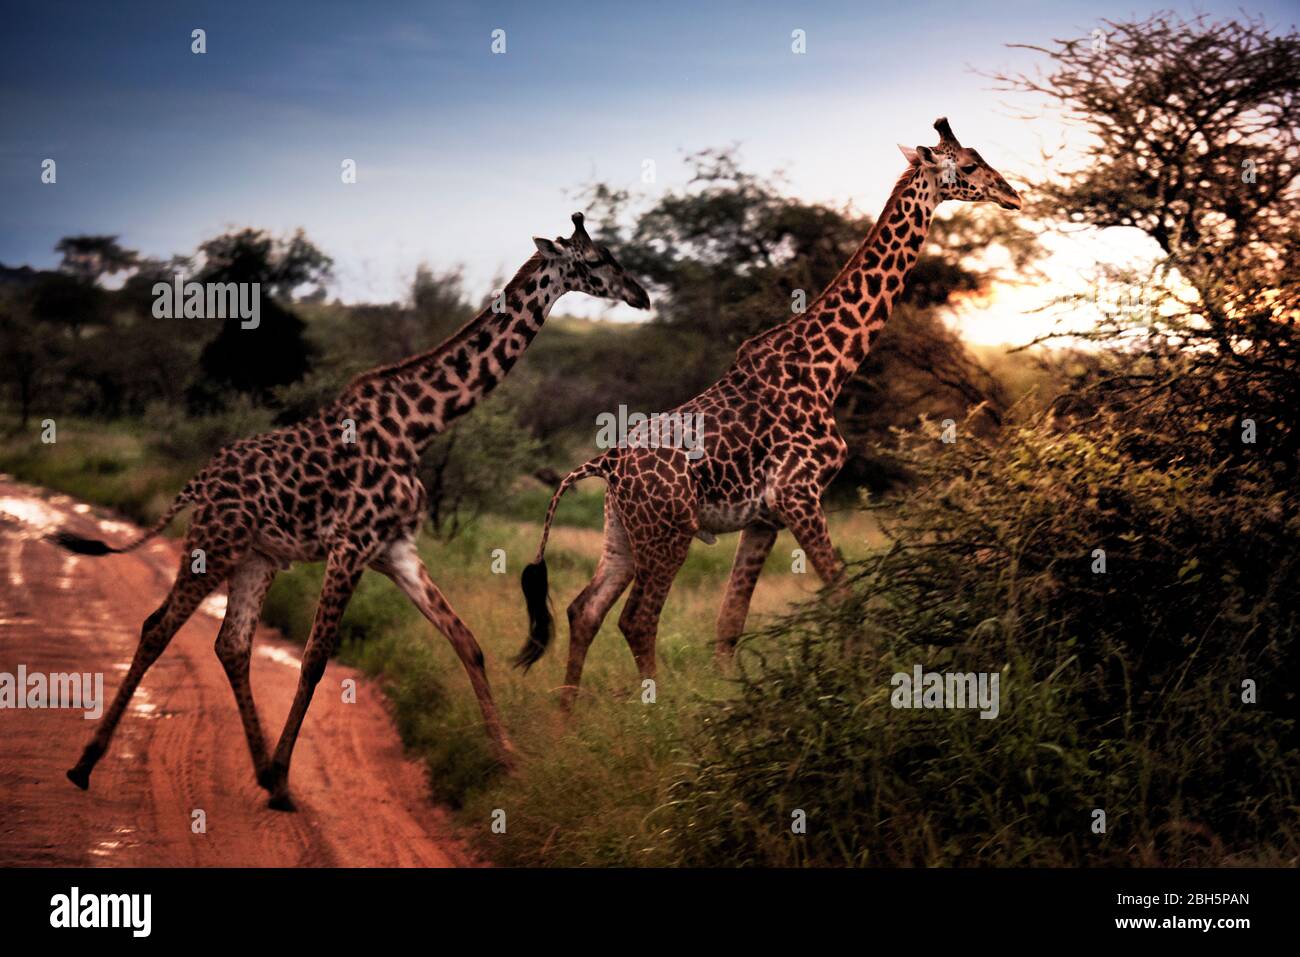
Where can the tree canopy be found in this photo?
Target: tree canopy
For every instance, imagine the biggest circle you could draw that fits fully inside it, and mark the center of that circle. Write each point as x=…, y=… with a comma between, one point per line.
x=1193, y=137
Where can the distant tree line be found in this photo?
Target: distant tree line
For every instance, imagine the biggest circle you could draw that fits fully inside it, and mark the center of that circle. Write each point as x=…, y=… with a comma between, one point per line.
x=72, y=345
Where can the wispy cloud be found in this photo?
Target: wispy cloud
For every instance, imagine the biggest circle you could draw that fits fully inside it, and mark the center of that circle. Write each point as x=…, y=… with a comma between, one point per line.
x=463, y=154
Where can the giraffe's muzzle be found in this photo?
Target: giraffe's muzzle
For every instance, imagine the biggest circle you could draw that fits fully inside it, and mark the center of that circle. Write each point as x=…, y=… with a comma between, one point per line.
x=635, y=296
x=1009, y=199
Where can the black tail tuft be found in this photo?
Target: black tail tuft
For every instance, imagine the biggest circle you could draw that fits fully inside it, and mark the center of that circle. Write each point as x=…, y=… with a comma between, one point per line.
x=82, y=546
x=540, y=625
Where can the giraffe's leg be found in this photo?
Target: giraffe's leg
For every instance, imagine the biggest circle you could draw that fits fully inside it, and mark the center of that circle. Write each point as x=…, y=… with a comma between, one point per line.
x=800, y=509
x=635, y=597
x=657, y=564
x=655, y=497
x=342, y=572
x=401, y=562
x=247, y=589
x=187, y=592
x=593, y=603
x=755, y=545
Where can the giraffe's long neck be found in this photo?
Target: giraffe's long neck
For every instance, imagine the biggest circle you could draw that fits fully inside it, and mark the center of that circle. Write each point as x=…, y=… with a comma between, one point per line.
x=415, y=399
x=836, y=331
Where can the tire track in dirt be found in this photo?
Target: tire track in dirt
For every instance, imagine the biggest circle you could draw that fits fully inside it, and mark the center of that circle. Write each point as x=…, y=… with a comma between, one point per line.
x=180, y=747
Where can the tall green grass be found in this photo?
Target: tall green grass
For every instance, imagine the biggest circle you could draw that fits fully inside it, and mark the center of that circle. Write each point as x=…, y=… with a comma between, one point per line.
x=110, y=464
x=135, y=466
x=616, y=754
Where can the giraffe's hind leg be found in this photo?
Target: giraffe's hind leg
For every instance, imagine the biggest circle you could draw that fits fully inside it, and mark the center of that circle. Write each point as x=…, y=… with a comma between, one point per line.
x=657, y=562
x=588, y=610
x=659, y=538
x=756, y=543
x=247, y=589
x=187, y=592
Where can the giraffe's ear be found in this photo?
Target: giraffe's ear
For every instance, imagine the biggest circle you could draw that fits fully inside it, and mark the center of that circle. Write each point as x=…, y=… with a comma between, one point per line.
x=926, y=154
x=548, y=249
x=909, y=154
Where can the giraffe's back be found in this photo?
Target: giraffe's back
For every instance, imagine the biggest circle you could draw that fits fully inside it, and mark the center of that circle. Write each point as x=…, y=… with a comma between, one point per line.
x=753, y=422
x=298, y=491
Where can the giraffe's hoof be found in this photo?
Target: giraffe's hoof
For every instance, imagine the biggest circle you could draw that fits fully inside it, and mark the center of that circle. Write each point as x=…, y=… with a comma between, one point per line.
x=282, y=802
x=80, y=777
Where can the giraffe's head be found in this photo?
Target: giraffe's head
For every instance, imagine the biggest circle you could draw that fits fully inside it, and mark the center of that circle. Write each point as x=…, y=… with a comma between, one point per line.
x=960, y=172
x=586, y=266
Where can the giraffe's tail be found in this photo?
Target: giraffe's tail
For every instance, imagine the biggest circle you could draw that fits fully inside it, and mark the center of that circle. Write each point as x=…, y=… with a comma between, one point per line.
x=93, y=546
x=541, y=625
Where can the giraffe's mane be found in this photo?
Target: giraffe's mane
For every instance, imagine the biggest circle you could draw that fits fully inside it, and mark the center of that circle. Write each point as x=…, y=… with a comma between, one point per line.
x=904, y=180
x=397, y=369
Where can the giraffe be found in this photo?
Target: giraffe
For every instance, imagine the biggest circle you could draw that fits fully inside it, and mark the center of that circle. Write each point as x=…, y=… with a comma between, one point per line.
x=341, y=487
x=770, y=444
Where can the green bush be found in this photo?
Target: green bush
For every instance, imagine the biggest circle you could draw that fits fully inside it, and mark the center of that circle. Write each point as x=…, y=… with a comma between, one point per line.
x=1120, y=690
x=104, y=463
x=177, y=437
x=471, y=467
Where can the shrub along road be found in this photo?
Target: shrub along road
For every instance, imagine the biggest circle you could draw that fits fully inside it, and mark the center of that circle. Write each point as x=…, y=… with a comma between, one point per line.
x=180, y=747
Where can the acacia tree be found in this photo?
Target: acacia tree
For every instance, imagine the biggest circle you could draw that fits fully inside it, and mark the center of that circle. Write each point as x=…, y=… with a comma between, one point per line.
x=92, y=257
x=253, y=255
x=1193, y=137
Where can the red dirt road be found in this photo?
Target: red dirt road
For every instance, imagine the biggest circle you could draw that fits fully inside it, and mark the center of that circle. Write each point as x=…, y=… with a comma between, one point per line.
x=180, y=746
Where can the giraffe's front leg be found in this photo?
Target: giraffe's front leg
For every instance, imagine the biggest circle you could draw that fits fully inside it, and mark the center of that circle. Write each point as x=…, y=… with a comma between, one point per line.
x=342, y=572
x=402, y=563
x=800, y=509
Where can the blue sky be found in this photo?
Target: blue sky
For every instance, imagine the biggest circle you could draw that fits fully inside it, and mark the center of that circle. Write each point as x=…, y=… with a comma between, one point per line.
x=462, y=155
